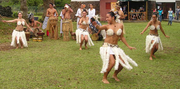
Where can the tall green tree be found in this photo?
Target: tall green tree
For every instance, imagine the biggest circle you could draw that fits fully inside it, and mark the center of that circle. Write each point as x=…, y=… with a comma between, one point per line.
x=24, y=8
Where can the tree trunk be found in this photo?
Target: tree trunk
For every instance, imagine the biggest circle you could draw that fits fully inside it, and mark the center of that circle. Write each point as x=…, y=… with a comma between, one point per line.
x=24, y=9
x=46, y=6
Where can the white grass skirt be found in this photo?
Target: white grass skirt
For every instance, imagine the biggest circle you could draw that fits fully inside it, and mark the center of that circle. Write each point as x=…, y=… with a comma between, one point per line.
x=105, y=54
x=18, y=35
x=149, y=45
x=80, y=31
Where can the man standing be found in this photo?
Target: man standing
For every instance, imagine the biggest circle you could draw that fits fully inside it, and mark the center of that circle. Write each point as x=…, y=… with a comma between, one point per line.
x=177, y=12
x=52, y=14
x=67, y=11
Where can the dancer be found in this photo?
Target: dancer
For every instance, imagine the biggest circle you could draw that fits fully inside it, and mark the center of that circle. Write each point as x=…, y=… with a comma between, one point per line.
x=82, y=32
x=18, y=35
x=170, y=16
x=153, y=41
x=67, y=11
x=111, y=53
x=120, y=16
x=78, y=14
x=91, y=12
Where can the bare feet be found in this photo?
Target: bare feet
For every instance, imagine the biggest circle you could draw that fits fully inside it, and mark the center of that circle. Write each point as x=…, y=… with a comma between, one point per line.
x=80, y=48
x=115, y=77
x=17, y=47
x=86, y=47
x=105, y=81
x=22, y=47
x=150, y=58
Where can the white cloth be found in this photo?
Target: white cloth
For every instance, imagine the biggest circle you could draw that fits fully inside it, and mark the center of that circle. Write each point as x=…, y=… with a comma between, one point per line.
x=91, y=13
x=18, y=35
x=78, y=13
x=45, y=22
x=108, y=49
x=61, y=22
x=149, y=44
x=79, y=32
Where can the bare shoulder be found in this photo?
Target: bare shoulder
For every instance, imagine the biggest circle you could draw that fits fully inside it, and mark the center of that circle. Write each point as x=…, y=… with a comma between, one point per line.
x=159, y=22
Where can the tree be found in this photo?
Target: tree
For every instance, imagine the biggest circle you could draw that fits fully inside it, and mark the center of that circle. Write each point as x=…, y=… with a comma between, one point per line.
x=24, y=8
x=46, y=6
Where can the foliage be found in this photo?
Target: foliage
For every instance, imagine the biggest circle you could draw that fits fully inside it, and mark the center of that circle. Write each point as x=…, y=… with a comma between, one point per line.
x=61, y=3
x=15, y=14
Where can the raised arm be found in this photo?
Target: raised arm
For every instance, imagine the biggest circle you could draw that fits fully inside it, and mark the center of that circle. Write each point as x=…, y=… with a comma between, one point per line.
x=122, y=38
x=40, y=24
x=70, y=10
x=80, y=21
x=146, y=27
x=122, y=15
x=163, y=30
x=63, y=12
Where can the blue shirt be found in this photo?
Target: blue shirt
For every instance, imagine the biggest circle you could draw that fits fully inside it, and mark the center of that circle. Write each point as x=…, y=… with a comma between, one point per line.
x=160, y=12
x=170, y=13
x=93, y=28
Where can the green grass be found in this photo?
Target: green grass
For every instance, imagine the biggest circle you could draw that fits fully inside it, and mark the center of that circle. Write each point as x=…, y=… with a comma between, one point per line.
x=54, y=64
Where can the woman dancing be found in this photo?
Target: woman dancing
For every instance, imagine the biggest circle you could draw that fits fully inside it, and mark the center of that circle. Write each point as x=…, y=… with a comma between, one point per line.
x=111, y=53
x=18, y=35
x=82, y=33
x=153, y=41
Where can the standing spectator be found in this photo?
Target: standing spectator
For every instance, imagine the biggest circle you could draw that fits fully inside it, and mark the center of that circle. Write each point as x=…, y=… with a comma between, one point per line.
x=160, y=11
x=91, y=12
x=170, y=16
x=78, y=14
x=177, y=12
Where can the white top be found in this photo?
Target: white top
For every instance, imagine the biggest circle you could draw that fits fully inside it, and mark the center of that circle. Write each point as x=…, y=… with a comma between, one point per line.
x=61, y=15
x=20, y=23
x=152, y=27
x=78, y=13
x=91, y=13
x=110, y=32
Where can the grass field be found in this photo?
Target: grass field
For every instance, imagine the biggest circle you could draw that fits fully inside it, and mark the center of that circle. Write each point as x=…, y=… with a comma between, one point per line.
x=55, y=64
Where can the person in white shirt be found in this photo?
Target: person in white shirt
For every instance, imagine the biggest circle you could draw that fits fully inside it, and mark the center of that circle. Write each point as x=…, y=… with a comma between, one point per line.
x=91, y=12
x=78, y=14
x=62, y=17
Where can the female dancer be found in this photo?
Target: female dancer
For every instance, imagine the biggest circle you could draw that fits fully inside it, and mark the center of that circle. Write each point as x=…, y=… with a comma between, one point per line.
x=18, y=35
x=91, y=12
x=153, y=41
x=110, y=52
x=82, y=32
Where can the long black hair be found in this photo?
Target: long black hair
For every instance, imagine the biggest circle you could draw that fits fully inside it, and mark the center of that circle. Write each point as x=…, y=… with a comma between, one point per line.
x=112, y=14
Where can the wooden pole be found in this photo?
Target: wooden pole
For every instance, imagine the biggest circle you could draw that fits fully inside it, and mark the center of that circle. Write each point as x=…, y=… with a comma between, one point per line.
x=128, y=11
x=146, y=10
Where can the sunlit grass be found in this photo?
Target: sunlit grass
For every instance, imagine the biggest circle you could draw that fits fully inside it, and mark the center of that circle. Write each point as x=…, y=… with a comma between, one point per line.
x=54, y=64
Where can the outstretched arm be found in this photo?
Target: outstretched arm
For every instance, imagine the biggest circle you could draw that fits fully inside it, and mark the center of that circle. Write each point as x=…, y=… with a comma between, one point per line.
x=163, y=30
x=146, y=27
x=10, y=21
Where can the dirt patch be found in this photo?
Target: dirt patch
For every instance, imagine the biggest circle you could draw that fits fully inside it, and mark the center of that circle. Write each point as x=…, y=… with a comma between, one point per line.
x=5, y=47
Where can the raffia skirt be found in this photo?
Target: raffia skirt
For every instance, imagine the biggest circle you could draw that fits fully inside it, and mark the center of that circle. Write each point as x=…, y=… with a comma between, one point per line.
x=108, y=49
x=79, y=32
x=149, y=44
x=19, y=34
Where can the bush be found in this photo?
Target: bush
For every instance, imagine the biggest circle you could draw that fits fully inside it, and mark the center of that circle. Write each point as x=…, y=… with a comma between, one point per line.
x=15, y=14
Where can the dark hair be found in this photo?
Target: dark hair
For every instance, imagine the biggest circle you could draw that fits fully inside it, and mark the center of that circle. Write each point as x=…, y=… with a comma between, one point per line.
x=112, y=14
x=92, y=19
x=155, y=14
x=51, y=4
x=84, y=10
